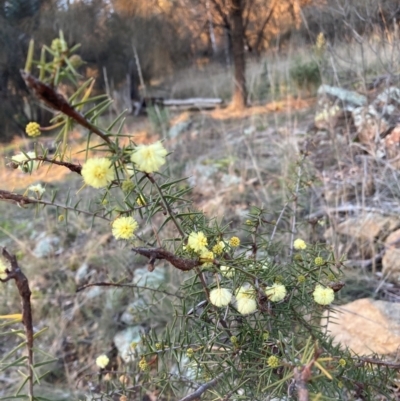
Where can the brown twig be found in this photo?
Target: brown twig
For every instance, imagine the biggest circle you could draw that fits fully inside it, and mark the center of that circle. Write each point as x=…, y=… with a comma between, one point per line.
x=203, y=388
x=373, y=361
x=302, y=375
x=48, y=95
x=25, y=293
x=160, y=253
x=75, y=168
x=25, y=200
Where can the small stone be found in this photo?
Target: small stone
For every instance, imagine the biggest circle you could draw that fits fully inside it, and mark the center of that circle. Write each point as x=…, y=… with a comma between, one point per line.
x=366, y=326
x=123, y=340
x=47, y=245
x=367, y=226
x=179, y=128
x=391, y=259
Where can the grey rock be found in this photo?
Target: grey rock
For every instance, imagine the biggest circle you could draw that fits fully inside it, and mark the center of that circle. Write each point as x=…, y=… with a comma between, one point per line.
x=149, y=279
x=366, y=326
x=123, y=340
x=350, y=99
x=82, y=274
x=230, y=179
x=47, y=245
x=333, y=104
x=178, y=128
x=130, y=315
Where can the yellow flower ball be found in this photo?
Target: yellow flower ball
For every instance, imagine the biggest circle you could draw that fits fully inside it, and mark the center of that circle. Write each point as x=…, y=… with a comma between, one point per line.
x=319, y=261
x=102, y=361
x=245, y=291
x=227, y=271
x=276, y=292
x=299, y=244
x=127, y=186
x=234, y=340
x=220, y=297
x=323, y=295
x=97, y=172
x=197, y=241
x=246, y=306
x=149, y=158
x=38, y=189
x=3, y=270
x=234, y=242
x=219, y=248
x=33, y=129
x=143, y=365
x=124, y=227
x=23, y=160
x=273, y=361
x=207, y=258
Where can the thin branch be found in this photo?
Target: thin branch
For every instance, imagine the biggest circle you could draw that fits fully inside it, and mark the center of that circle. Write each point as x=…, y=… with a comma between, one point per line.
x=166, y=205
x=302, y=375
x=278, y=220
x=260, y=35
x=25, y=200
x=295, y=198
x=257, y=169
x=202, y=389
x=25, y=293
x=48, y=95
x=75, y=168
x=160, y=253
x=373, y=361
x=104, y=284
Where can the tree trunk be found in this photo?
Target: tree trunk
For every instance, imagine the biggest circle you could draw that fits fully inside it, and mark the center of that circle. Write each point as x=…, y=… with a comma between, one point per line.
x=236, y=19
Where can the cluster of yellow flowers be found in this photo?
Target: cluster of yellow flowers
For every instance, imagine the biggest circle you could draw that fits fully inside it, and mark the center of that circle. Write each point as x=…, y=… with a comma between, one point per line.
x=245, y=300
x=102, y=361
x=33, y=129
x=99, y=173
x=246, y=297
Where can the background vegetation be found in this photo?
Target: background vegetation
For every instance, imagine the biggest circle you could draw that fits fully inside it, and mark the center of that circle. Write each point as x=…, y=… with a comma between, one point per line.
x=235, y=160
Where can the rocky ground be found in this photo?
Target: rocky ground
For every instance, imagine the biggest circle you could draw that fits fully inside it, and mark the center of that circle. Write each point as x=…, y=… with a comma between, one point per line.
x=350, y=141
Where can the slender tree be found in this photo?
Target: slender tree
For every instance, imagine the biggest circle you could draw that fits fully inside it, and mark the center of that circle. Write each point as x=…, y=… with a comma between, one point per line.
x=239, y=100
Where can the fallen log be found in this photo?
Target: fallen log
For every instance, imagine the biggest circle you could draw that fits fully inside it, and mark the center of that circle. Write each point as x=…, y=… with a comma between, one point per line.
x=184, y=104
